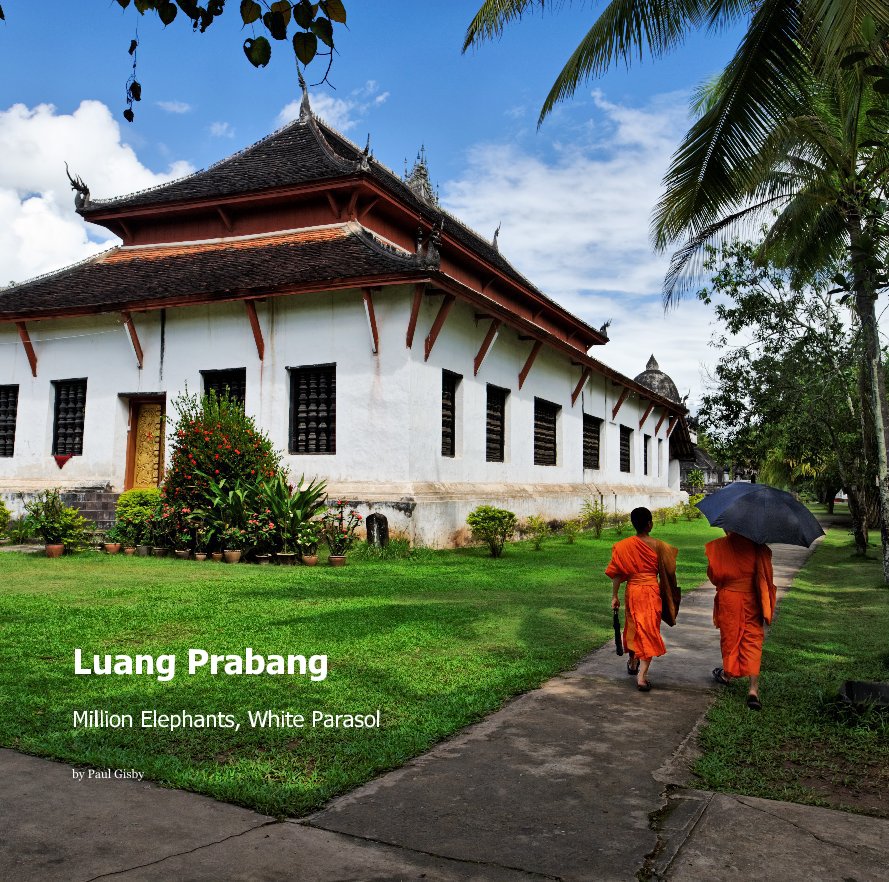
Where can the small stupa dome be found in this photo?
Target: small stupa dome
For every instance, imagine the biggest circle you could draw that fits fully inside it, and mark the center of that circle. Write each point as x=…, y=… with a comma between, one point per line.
x=657, y=380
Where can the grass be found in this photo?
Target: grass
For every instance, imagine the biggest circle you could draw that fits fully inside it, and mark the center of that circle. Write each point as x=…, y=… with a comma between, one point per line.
x=435, y=642
x=830, y=627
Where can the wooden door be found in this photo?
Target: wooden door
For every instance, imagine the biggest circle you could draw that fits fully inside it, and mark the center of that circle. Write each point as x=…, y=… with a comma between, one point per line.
x=145, y=451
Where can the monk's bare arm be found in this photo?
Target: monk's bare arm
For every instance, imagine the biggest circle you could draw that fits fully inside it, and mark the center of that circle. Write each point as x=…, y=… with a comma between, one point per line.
x=615, y=587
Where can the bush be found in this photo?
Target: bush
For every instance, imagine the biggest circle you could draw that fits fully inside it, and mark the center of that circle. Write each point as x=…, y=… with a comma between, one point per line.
x=594, y=516
x=537, y=529
x=5, y=515
x=689, y=510
x=570, y=529
x=661, y=515
x=620, y=521
x=134, y=515
x=493, y=526
x=20, y=530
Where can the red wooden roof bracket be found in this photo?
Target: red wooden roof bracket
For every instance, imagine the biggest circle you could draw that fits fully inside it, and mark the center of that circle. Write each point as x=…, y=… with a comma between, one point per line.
x=486, y=344
x=532, y=356
x=29, y=347
x=134, y=338
x=648, y=410
x=620, y=401
x=584, y=376
x=415, y=312
x=437, y=325
x=371, y=319
x=257, y=330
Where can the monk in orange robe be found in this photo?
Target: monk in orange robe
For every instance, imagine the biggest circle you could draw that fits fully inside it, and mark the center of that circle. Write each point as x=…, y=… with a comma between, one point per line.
x=639, y=561
x=741, y=570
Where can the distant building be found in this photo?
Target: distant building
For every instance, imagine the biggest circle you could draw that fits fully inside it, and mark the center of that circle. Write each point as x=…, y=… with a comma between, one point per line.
x=383, y=345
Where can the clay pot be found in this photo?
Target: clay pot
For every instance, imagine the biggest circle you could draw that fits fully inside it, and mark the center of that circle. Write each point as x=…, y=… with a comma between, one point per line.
x=232, y=555
x=337, y=560
x=263, y=559
x=55, y=550
x=143, y=550
x=309, y=560
x=200, y=555
x=183, y=553
x=130, y=550
x=216, y=555
x=159, y=552
x=112, y=547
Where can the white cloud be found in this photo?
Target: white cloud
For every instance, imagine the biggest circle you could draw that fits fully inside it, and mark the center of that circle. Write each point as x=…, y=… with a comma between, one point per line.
x=575, y=220
x=341, y=114
x=39, y=229
x=222, y=130
x=174, y=106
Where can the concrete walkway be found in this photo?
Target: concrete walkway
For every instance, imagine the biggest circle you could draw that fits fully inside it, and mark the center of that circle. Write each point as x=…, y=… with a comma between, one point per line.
x=581, y=779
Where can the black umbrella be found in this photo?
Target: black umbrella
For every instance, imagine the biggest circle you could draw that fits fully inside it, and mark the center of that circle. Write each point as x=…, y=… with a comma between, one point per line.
x=618, y=639
x=761, y=513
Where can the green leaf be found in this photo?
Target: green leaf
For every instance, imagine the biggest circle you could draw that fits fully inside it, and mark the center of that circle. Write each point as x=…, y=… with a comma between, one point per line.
x=250, y=11
x=276, y=25
x=3, y=17
x=258, y=51
x=166, y=13
x=323, y=30
x=335, y=10
x=135, y=90
x=868, y=29
x=283, y=7
x=854, y=58
x=128, y=114
x=305, y=46
x=304, y=14
x=144, y=5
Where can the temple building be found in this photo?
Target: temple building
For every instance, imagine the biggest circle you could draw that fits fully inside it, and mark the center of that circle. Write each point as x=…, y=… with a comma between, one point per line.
x=383, y=345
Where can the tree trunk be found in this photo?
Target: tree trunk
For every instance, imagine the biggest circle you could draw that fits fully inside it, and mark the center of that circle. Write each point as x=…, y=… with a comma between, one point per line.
x=858, y=513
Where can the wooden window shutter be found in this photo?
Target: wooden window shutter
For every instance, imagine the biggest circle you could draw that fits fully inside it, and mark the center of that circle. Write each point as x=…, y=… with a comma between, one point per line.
x=545, y=416
x=449, y=383
x=646, y=446
x=313, y=409
x=70, y=409
x=230, y=382
x=495, y=426
x=9, y=401
x=592, y=428
x=626, y=437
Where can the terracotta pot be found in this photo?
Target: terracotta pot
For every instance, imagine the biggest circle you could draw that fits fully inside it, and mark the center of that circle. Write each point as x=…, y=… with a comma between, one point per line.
x=183, y=553
x=200, y=555
x=216, y=555
x=159, y=552
x=130, y=550
x=337, y=560
x=263, y=558
x=112, y=547
x=232, y=555
x=309, y=560
x=285, y=558
x=143, y=550
x=55, y=550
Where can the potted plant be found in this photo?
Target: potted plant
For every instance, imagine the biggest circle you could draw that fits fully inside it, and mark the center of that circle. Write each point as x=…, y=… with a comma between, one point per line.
x=57, y=524
x=308, y=534
x=201, y=538
x=338, y=529
x=262, y=534
x=233, y=541
x=113, y=539
x=182, y=544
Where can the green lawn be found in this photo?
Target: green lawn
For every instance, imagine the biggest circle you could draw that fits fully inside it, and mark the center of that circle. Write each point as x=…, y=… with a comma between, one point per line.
x=435, y=643
x=832, y=626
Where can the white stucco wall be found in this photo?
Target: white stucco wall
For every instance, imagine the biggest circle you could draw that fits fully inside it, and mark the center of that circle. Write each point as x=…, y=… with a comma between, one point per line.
x=388, y=408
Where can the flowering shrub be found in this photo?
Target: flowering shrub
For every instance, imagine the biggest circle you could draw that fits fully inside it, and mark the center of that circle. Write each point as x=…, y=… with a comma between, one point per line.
x=213, y=440
x=338, y=527
x=263, y=535
x=308, y=534
x=234, y=538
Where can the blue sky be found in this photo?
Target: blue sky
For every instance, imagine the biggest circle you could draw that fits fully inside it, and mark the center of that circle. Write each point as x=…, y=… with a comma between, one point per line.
x=573, y=198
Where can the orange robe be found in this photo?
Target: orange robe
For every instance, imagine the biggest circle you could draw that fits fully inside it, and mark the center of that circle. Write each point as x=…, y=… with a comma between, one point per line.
x=741, y=570
x=633, y=560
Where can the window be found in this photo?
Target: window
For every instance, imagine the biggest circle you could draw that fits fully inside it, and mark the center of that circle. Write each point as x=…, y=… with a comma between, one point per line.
x=626, y=440
x=70, y=406
x=646, y=446
x=232, y=383
x=545, y=416
x=449, y=383
x=592, y=427
x=9, y=402
x=313, y=409
x=495, y=437
x=660, y=457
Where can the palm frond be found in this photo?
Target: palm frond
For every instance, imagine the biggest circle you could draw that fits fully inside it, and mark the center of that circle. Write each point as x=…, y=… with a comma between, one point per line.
x=493, y=17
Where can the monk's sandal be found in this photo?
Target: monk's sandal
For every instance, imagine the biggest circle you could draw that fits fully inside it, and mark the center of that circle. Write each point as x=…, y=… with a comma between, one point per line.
x=720, y=677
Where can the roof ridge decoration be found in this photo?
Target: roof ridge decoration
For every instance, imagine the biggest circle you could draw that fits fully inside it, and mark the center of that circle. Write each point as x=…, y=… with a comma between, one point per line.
x=93, y=258
x=418, y=181
x=429, y=246
x=82, y=199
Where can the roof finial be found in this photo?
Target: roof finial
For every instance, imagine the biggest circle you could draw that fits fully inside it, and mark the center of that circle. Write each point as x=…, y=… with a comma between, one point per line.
x=496, y=235
x=305, y=109
x=364, y=160
x=418, y=179
x=652, y=364
x=82, y=199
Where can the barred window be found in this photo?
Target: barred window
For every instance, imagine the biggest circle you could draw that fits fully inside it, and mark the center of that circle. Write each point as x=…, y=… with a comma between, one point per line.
x=449, y=383
x=231, y=382
x=646, y=447
x=626, y=440
x=495, y=427
x=592, y=428
x=70, y=407
x=9, y=402
x=313, y=409
x=545, y=416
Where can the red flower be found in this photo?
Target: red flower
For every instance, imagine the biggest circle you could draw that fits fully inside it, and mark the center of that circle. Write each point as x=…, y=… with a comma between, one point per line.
x=217, y=472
